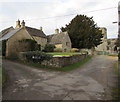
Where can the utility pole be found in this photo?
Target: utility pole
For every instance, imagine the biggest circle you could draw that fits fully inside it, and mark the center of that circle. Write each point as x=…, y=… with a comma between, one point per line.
x=119, y=30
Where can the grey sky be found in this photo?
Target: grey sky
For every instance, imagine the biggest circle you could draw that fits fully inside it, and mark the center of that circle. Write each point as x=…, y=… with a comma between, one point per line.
x=50, y=13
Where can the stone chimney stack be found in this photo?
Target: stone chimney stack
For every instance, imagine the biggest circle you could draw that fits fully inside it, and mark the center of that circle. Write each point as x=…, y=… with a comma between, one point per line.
x=56, y=31
x=18, y=24
x=23, y=24
x=41, y=28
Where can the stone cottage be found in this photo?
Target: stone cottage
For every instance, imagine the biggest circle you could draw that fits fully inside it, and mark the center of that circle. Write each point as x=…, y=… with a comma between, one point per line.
x=20, y=32
x=60, y=40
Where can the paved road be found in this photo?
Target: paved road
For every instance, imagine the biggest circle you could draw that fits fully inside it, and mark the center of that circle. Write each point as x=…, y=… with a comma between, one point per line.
x=92, y=81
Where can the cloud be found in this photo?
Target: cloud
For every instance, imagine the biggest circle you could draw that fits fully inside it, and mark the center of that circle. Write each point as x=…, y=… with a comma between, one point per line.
x=33, y=13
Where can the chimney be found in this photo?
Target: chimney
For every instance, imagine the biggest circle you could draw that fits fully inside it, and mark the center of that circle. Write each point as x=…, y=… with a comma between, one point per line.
x=41, y=28
x=18, y=24
x=23, y=24
x=56, y=31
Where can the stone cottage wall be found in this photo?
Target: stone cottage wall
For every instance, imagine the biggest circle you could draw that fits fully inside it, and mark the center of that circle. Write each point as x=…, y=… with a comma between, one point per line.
x=12, y=44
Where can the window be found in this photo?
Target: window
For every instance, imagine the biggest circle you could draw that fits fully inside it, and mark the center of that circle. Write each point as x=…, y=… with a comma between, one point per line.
x=67, y=43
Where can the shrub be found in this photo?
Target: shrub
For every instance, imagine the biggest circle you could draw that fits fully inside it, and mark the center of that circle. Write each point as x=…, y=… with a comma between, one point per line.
x=36, y=56
x=75, y=50
x=58, y=49
x=49, y=48
x=30, y=45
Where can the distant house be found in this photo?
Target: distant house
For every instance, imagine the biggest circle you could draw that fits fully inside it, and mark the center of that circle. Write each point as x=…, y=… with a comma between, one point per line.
x=20, y=32
x=108, y=45
x=60, y=40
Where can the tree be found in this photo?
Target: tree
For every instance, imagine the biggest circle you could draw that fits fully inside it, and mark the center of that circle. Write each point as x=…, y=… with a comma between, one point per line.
x=49, y=48
x=83, y=32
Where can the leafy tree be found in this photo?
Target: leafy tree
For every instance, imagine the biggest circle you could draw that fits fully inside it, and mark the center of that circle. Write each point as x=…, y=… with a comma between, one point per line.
x=49, y=48
x=83, y=32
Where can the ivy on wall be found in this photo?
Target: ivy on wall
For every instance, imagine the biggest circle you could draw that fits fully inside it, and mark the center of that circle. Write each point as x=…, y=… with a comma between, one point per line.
x=30, y=45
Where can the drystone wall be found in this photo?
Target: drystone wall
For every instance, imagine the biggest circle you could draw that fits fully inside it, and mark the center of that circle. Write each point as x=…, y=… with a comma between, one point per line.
x=59, y=60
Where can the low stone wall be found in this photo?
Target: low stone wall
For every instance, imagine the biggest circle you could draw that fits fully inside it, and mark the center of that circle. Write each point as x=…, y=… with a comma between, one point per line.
x=58, y=60
x=61, y=61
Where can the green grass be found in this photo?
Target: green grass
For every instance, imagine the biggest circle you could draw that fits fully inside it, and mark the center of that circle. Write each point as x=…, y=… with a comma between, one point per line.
x=3, y=77
x=116, y=89
x=66, y=68
x=114, y=55
x=63, y=53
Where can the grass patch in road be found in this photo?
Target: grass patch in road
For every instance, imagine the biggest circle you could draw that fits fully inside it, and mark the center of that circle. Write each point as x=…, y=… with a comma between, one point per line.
x=63, y=53
x=66, y=68
x=116, y=89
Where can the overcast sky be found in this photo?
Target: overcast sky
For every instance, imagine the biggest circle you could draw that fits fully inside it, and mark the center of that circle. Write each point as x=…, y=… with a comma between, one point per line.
x=52, y=14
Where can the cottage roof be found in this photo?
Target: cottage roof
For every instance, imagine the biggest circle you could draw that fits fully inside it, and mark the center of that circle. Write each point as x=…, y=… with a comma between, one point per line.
x=9, y=34
x=35, y=32
x=56, y=38
x=5, y=31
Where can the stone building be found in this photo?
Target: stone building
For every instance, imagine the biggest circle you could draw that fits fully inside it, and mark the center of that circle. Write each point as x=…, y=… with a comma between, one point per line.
x=111, y=47
x=20, y=32
x=108, y=45
x=102, y=47
x=12, y=36
x=61, y=40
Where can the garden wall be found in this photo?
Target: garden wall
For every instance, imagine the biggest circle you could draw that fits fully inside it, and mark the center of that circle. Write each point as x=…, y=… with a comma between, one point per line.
x=61, y=61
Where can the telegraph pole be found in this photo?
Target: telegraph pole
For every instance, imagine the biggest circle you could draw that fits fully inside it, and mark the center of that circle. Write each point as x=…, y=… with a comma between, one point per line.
x=119, y=29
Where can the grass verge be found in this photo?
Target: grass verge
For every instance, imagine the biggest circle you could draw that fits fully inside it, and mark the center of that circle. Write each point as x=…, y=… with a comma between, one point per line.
x=116, y=89
x=114, y=55
x=3, y=77
x=63, y=53
x=66, y=68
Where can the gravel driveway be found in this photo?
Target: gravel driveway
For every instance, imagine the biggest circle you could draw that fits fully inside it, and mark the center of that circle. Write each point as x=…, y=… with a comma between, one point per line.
x=92, y=81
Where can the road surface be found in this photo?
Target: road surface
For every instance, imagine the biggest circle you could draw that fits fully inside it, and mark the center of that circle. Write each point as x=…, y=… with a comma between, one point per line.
x=92, y=81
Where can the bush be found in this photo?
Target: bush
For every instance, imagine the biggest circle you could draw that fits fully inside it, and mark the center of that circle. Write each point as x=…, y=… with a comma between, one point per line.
x=75, y=50
x=49, y=48
x=30, y=45
x=58, y=49
x=36, y=56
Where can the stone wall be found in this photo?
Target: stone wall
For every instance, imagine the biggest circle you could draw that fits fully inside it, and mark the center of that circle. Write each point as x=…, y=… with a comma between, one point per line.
x=61, y=61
